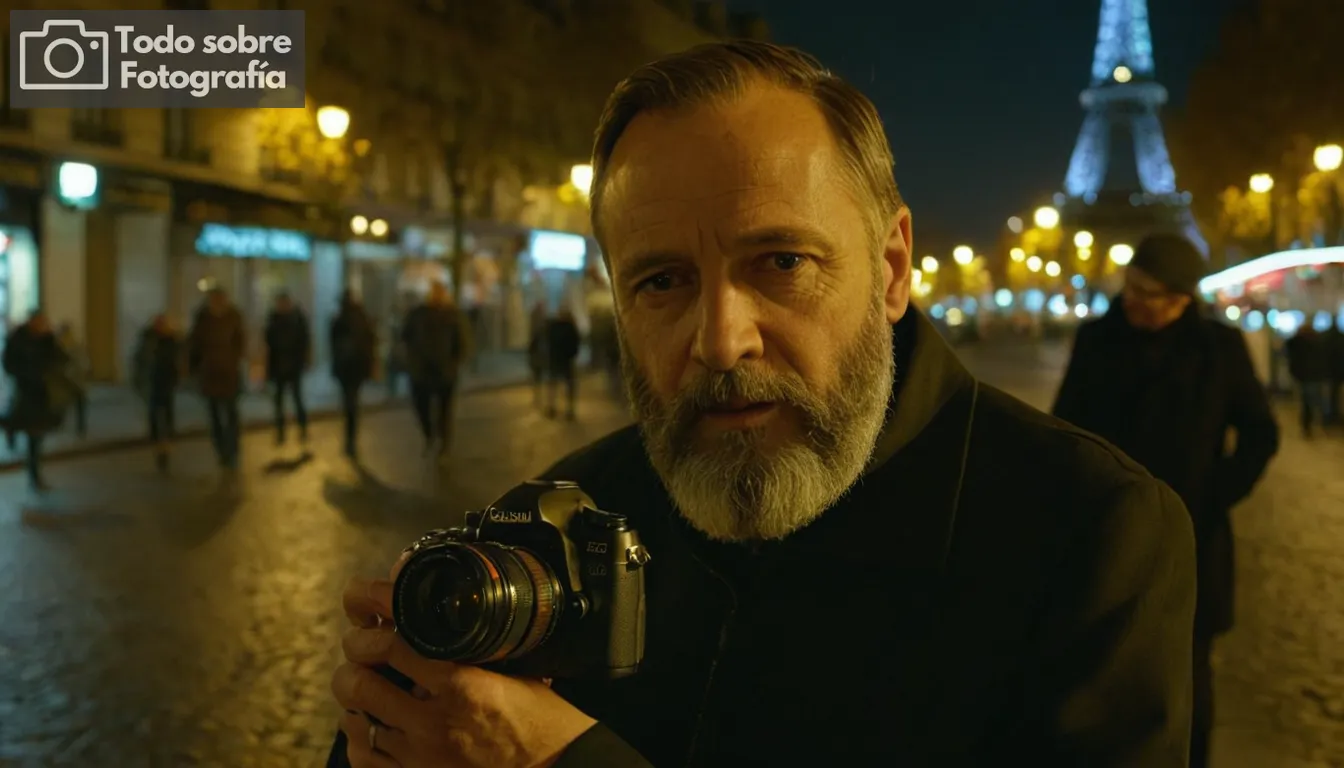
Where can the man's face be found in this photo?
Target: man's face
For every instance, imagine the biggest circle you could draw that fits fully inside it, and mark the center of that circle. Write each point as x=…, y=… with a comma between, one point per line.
x=39, y=324
x=1148, y=304
x=754, y=308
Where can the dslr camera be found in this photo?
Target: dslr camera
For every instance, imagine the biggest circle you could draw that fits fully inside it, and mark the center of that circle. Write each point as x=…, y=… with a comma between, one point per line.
x=540, y=583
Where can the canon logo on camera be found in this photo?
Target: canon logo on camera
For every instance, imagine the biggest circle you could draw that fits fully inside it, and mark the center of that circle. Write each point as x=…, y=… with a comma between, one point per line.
x=505, y=516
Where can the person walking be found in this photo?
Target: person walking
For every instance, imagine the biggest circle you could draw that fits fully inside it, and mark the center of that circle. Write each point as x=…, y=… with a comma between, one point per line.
x=353, y=346
x=438, y=341
x=158, y=366
x=288, y=347
x=217, y=345
x=562, y=345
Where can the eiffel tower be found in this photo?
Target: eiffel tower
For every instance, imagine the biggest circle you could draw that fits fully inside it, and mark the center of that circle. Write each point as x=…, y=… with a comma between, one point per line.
x=1120, y=183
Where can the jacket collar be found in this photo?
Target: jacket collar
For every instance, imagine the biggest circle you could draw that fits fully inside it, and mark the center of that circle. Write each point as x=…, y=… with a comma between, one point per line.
x=928, y=374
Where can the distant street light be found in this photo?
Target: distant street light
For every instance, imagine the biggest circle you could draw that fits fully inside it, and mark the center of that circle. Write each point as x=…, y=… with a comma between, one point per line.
x=1261, y=183
x=378, y=227
x=581, y=176
x=1083, y=239
x=333, y=122
x=1121, y=254
x=929, y=264
x=963, y=255
x=1046, y=217
x=1122, y=74
x=1034, y=263
x=1328, y=157
x=1017, y=254
x=359, y=225
x=1052, y=269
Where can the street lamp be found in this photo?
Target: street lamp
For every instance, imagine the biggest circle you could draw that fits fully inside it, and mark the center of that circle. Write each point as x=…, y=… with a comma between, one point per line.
x=378, y=227
x=333, y=122
x=963, y=255
x=581, y=176
x=1083, y=239
x=1121, y=254
x=1034, y=263
x=1261, y=183
x=1328, y=157
x=1017, y=254
x=1046, y=217
x=1052, y=269
x=1122, y=74
x=930, y=265
x=359, y=225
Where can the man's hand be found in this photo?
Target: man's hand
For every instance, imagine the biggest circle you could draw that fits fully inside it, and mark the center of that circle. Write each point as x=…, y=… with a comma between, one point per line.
x=457, y=716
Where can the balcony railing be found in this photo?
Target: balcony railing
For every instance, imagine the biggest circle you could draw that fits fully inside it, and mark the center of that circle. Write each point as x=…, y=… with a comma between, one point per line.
x=96, y=133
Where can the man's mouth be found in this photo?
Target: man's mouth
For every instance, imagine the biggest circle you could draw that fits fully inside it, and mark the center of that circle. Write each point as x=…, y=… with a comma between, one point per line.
x=741, y=406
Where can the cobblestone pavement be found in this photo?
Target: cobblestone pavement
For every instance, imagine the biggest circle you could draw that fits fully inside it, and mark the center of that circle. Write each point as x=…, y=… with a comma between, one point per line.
x=191, y=621
x=1280, y=672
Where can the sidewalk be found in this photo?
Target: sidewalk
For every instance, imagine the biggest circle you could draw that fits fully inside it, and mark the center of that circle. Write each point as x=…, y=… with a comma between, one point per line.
x=116, y=417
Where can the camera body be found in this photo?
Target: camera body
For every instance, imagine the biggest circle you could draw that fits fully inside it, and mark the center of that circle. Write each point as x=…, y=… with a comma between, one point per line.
x=541, y=583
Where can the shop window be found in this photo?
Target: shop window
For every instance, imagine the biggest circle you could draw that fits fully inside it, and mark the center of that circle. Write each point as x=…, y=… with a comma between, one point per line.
x=181, y=137
x=96, y=126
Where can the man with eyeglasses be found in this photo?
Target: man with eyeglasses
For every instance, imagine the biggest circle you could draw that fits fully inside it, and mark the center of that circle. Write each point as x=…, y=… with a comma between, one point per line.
x=1165, y=383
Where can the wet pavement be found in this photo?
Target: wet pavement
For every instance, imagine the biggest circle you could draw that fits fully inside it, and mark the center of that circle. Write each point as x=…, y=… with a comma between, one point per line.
x=192, y=620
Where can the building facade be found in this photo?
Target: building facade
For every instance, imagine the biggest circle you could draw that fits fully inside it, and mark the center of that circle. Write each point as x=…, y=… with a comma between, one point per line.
x=459, y=113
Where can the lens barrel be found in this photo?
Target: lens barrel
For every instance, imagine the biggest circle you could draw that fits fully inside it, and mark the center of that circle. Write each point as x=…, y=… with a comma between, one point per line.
x=475, y=603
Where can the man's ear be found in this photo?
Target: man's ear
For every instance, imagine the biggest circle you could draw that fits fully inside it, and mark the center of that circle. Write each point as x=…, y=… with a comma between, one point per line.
x=897, y=246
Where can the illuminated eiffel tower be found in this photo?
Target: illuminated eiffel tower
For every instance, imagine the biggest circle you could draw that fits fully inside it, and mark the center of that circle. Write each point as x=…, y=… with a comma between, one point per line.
x=1120, y=183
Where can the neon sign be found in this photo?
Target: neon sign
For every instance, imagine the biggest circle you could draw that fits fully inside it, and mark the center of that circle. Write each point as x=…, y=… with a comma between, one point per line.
x=253, y=243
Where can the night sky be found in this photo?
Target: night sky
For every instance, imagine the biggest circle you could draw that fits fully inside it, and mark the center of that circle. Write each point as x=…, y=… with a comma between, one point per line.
x=980, y=102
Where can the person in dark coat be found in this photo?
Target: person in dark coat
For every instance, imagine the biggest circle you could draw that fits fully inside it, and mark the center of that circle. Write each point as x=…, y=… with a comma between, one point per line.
x=216, y=348
x=1334, y=343
x=861, y=555
x=353, y=346
x=438, y=342
x=158, y=366
x=43, y=388
x=1165, y=384
x=537, y=359
x=562, y=349
x=288, y=348
x=1309, y=364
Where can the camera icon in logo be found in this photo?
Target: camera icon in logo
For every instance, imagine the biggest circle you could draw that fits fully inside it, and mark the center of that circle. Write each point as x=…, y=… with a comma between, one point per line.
x=64, y=56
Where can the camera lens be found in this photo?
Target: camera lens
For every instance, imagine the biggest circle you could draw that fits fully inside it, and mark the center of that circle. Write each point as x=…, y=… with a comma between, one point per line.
x=475, y=603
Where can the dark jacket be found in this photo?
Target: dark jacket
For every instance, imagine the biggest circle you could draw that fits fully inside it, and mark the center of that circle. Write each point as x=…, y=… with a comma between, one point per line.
x=157, y=363
x=43, y=387
x=1168, y=400
x=1308, y=355
x=353, y=345
x=288, y=344
x=999, y=589
x=438, y=340
x=562, y=343
x=215, y=349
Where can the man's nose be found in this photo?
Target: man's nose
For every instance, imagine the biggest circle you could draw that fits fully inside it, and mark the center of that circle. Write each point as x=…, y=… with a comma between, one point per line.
x=728, y=331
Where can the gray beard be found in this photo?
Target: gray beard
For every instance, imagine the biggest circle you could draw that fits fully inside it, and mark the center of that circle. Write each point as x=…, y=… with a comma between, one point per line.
x=735, y=488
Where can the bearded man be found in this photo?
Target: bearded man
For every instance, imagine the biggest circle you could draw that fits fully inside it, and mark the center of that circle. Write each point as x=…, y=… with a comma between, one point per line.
x=861, y=555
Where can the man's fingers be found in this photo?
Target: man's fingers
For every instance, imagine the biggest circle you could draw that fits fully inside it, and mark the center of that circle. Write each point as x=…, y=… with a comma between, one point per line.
x=389, y=741
x=378, y=647
x=364, y=690
x=366, y=602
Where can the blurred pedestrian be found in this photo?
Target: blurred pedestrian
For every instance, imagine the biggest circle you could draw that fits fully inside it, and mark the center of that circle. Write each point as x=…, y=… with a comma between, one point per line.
x=288, y=348
x=216, y=348
x=353, y=347
x=537, y=361
x=1165, y=385
x=43, y=389
x=1335, y=346
x=1309, y=364
x=78, y=373
x=157, y=369
x=562, y=351
x=438, y=342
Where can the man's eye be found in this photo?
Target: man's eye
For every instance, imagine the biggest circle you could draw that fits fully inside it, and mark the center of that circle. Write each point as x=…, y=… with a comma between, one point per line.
x=786, y=262
x=656, y=283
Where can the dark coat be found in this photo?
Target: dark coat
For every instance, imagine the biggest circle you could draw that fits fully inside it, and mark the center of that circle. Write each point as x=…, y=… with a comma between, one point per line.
x=288, y=345
x=562, y=343
x=1001, y=588
x=438, y=340
x=1168, y=400
x=353, y=345
x=216, y=348
x=1308, y=355
x=43, y=387
x=158, y=363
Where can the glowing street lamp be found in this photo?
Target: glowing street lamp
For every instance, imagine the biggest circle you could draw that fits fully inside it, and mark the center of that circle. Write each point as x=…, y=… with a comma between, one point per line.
x=1052, y=269
x=929, y=264
x=581, y=176
x=1328, y=157
x=333, y=122
x=1122, y=74
x=963, y=255
x=1121, y=254
x=1034, y=263
x=378, y=227
x=1018, y=255
x=1046, y=217
x=359, y=225
x=1084, y=254
x=1083, y=239
x=1261, y=183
